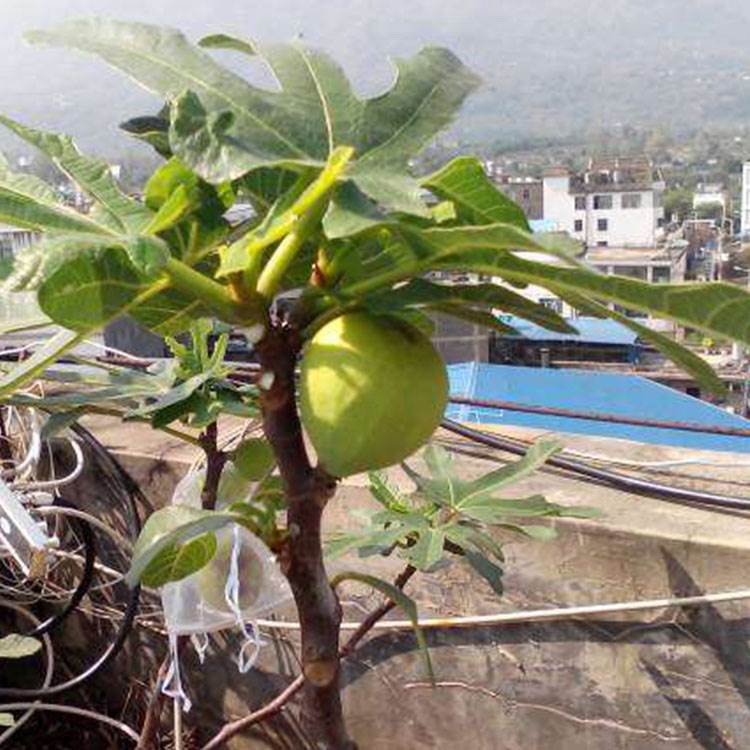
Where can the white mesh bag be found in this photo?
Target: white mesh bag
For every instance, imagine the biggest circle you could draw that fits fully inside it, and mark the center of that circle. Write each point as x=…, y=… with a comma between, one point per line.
x=240, y=584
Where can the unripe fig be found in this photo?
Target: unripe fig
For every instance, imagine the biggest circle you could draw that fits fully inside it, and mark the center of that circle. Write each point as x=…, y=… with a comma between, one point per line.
x=372, y=391
x=212, y=578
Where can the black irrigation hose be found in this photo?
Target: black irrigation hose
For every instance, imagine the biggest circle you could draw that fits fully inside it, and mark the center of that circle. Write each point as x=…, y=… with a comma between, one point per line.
x=132, y=494
x=89, y=544
x=612, y=478
x=112, y=650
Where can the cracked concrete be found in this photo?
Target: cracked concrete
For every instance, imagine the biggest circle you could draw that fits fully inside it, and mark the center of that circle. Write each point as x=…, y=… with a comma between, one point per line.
x=639, y=681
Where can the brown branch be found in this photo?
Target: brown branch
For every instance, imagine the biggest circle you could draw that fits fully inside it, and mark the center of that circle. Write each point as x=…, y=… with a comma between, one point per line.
x=149, y=739
x=215, y=460
x=307, y=492
x=277, y=704
x=230, y=729
x=376, y=615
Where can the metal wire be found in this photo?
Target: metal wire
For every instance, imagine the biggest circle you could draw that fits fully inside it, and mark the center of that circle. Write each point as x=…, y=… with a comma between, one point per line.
x=614, y=479
x=550, y=411
x=110, y=652
x=89, y=544
x=49, y=671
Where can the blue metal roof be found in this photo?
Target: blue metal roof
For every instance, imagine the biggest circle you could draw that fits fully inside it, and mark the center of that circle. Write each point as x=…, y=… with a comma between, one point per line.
x=627, y=395
x=590, y=331
x=542, y=225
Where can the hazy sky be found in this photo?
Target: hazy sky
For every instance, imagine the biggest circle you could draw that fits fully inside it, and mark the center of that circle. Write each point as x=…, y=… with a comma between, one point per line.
x=360, y=33
x=548, y=65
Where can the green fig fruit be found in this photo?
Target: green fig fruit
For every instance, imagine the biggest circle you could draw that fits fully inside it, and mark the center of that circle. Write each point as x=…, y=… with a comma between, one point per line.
x=212, y=578
x=372, y=391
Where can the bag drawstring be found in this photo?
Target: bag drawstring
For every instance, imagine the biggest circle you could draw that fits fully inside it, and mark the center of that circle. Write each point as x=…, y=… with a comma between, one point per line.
x=200, y=644
x=248, y=652
x=173, y=679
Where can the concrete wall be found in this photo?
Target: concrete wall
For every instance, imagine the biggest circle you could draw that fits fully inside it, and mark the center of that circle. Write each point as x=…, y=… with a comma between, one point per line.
x=653, y=680
x=460, y=341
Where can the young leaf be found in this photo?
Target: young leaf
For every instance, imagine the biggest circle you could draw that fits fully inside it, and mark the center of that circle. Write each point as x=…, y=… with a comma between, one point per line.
x=490, y=510
x=174, y=395
x=719, y=309
x=400, y=599
x=225, y=127
x=464, y=183
x=536, y=456
x=6, y=720
x=116, y=210
x=153, y=130
x=388, y=496
x=177, y=561
x=17, y=646
x=159, y=548
x=491, y=572
x=428, y=550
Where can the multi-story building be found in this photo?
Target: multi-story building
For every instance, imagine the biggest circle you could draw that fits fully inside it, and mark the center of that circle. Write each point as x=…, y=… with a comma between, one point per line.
x=745, y=218
x=616, y=202
x=527, y=192
x=13, y=239
x=711, y=195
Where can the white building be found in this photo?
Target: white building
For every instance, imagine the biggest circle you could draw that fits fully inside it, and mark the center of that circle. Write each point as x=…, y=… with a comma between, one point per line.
x=13, y=239
x=708, y=195
x=745, y=226
x=615, y=202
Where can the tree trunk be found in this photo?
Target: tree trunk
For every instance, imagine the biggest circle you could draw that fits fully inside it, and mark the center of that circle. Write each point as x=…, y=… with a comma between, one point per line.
x=307, y=491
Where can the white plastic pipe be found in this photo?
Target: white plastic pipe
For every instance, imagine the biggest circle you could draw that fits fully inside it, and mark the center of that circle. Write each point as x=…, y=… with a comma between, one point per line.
x=534, y=615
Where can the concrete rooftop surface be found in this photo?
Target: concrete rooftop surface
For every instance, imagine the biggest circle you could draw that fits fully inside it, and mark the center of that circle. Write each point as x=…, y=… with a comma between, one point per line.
x=670, y=678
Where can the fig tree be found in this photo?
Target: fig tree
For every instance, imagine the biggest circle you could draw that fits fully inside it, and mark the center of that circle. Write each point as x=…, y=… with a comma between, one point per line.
x=373, y=389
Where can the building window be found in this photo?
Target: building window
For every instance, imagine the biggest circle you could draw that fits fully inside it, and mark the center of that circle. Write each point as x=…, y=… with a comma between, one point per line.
x=631, y=200
x=578, y=225
x=602, y=243
x=661, y=275
x=602, y=202
x=602, y=225
x=633, y=272
x=552, y=303
x=580, y=203
x=525, y=194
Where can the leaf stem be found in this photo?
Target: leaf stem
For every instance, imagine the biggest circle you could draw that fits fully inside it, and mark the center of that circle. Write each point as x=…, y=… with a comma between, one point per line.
x=304, y=216
x=273, y=272
x=215, y=295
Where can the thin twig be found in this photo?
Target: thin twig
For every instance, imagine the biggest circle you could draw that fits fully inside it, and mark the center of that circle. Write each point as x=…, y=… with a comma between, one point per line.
x=150, y=728
x=277, y=704
x=63, y=709
x=376, y=615
x=229, y=730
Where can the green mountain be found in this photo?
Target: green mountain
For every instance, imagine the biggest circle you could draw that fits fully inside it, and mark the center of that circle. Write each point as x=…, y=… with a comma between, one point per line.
x=549, y=66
